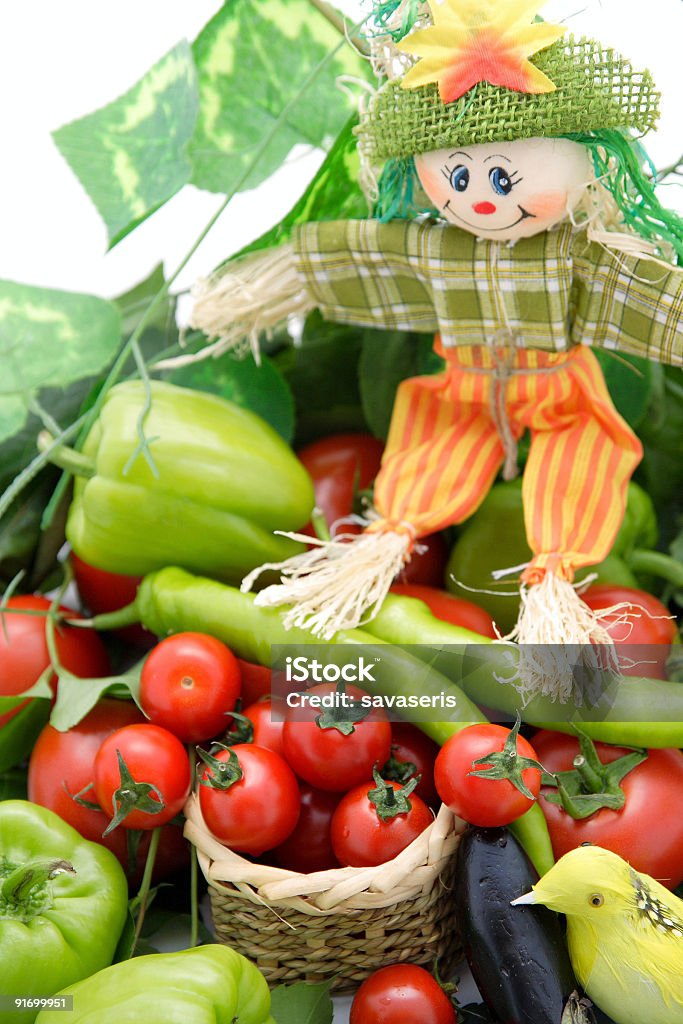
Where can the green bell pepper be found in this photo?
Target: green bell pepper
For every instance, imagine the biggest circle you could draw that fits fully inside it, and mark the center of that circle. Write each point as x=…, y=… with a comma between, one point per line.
x=204, y=985
x=63, y=904
x=207, y=492
x=495, y=538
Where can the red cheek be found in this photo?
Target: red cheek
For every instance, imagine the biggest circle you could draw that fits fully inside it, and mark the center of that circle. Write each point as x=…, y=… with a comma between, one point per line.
x=430, y=180
x=547, y=205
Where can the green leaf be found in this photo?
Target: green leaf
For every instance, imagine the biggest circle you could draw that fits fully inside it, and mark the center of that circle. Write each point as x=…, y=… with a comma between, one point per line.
x=133, y=303
x=387, y=358
x=252, y=59
x=302, y=1004
x=261, y=389
x=13, y=785
x=131, y=155
x=322, y=373
x=629, y=381
x=76, y=697
x=49, y=338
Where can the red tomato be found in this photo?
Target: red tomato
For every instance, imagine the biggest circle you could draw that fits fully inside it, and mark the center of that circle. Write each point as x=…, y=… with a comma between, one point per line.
x=401, y=994
x=325, y=757
x=359, y=836
x=23, y=648
x=257, y=682
x=257, y=812
x=103, y=591
x=451, y=609
x=62, y=765
x=647, y=635
x=427, y=568
x=409, y=745
x=483, y=802
x=268, y=718
x=309, y=848
x=152, y=755
x=189, y=683
x=340, y=466
x=646, y=832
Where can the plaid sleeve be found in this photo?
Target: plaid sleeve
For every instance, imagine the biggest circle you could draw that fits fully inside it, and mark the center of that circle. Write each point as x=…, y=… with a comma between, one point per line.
x=634, y=306
x=360, y=272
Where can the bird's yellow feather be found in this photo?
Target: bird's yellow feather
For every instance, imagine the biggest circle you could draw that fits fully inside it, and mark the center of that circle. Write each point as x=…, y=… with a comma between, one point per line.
x=625, y=935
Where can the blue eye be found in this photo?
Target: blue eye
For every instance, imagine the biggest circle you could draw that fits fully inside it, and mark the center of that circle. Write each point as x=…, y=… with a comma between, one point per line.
x=500, y=181
x=460, y=178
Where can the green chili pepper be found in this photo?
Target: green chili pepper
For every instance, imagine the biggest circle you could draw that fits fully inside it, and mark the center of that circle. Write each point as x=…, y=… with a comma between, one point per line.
x=643, y=713
x=479, y=551
x=208, y=490
x=204, y=985
x=63, y=904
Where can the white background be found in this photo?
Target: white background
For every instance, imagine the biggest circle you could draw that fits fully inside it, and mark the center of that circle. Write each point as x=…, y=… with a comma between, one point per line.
x=59, y=61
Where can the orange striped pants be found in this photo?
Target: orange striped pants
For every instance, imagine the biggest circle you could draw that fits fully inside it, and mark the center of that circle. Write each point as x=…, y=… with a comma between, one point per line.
x=444, y=451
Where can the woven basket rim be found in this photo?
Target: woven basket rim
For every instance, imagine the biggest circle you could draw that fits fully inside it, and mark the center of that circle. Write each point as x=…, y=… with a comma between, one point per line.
x=336, y=890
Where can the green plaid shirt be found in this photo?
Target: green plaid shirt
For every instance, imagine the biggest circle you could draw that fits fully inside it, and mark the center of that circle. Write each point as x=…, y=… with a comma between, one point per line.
x=550, y=291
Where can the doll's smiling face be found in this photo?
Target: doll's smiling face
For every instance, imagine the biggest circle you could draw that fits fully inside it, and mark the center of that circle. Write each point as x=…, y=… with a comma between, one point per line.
x=506, y=190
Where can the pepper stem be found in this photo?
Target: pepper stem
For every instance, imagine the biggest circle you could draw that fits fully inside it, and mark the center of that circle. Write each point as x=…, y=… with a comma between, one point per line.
x=18, y=885
x=64, y=457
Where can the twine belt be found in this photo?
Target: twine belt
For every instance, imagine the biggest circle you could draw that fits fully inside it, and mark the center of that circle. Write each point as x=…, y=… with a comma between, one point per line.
x=501, y=372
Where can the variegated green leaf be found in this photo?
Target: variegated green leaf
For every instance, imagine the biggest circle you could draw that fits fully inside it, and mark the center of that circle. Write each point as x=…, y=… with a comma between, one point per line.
x=130, y=156
x=252, y=59
x=49, y=339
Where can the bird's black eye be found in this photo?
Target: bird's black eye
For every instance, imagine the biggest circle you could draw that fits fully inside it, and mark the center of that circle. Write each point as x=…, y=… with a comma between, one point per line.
x=596, y=900
x=500, y=181
x=460, y=178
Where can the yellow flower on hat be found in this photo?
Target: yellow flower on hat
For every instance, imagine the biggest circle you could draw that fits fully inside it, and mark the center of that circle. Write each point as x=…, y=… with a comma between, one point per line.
x=473, y=41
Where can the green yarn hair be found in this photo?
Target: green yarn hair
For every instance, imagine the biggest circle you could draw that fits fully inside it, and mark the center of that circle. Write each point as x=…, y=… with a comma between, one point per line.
x=619, y=163
x=397, y=186
x=384, y=9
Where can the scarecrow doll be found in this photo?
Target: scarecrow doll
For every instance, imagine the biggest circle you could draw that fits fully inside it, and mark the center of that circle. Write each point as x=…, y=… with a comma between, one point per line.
x=514, y=219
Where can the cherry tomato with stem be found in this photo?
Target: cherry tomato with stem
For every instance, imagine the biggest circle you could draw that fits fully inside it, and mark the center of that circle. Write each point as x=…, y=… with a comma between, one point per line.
x=335, y=747
x=142, y=777
x=401, y=994
x=487, y=774
x=371, y=825
x=189, y=684
x=249, y=797
x=62, y=765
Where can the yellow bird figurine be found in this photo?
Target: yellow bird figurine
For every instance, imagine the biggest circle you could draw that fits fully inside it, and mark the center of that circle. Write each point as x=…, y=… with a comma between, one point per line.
x=625, y=934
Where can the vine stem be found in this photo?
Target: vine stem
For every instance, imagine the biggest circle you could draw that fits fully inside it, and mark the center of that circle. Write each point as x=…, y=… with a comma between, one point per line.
x=129, y=345
x=146, y=883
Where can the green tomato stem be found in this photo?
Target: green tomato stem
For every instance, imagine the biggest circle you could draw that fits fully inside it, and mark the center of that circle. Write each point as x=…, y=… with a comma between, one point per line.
x=142, y=897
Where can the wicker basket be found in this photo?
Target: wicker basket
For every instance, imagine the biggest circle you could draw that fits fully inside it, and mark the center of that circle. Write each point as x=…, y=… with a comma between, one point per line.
x=338, y=925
